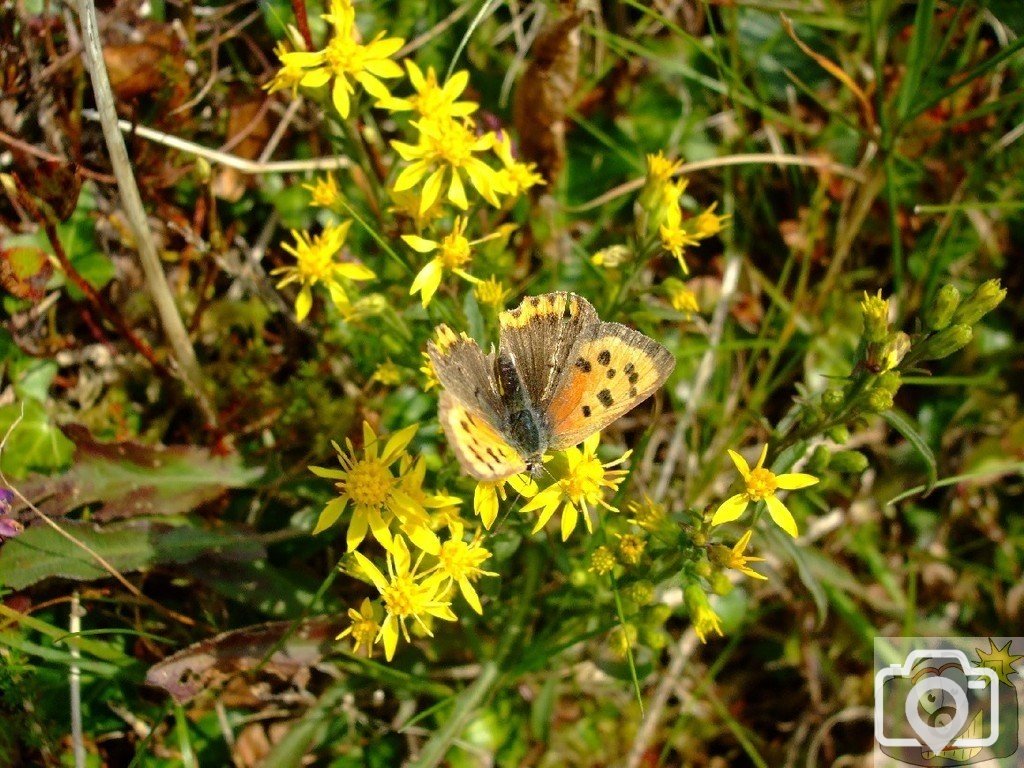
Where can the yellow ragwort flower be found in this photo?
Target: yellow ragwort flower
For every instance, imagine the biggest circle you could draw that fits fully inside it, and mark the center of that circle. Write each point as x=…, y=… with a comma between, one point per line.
x=708, y=223
x=345, y=59
x=411, y=475
x=876, y=317
x=459, y=563
x=454, y=252
x=675, y=237
x=680, y=296
x=429, y=376
x=316, y=263
x=648, y=514
x=602, y=561
x=433, y=101
x=582, y=488
x=631, y=548
x=406, y=594
x=368, y=483
x=491, y=293
x=388, y=374
x=289, y=76
x=364, y=627
x=489, y=494
x=660, y=169
x=515, y=177
x=761, y=484
x=446, y=150
x=324, y=191
x=702, y=615
x=735, y=559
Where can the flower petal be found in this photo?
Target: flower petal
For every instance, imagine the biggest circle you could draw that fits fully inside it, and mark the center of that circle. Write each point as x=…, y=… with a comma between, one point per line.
x=794, y=480
x=357, y=527
x=470, y=594
x=303, y=303
x=372, y=571
x=431, y=190
x=420, y=244
x=569, y=519
x=331, y=512
x=339, y=95
x=781, y=515
x=427, y=281
x=389, y=634
x=457, y=192
x=741, y=463
x=730, y=510
x=485, y=503
x=763, y=456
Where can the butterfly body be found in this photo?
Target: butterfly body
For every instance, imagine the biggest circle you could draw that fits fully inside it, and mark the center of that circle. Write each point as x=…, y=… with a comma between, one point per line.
x=559, y=375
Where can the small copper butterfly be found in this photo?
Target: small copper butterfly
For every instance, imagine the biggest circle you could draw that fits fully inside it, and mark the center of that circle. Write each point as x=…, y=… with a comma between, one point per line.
x=559, y=375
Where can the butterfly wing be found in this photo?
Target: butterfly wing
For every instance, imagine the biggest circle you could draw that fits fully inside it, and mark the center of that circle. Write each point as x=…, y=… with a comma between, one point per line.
x=465, y=371
x=612, y=370
x=478, y=446
x=540, y=334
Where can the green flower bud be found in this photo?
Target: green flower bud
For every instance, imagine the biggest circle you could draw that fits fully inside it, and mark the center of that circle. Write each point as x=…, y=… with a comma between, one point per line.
x=838, y=434
x=703, y=568
x=939, y=313
x=659, y=614
x=654, y=638
x=579, y=577
x=893, y=351
x=879, y=400
x=889, y=381
x=946, y=342
x=876, y=317
x=832, y=400
x=700, y=539
x=819, y=460
x=849, y=462
x=622, y=638
x=983, y=300
x=639, y=592
x=720, y=584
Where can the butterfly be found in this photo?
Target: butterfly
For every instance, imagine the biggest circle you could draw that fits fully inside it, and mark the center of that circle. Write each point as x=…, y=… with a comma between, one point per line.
x=559, y=375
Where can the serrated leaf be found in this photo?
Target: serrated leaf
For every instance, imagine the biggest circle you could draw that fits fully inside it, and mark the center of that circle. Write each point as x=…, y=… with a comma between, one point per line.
x=42, y=552
x=36, y=443
x=902, y=424
x=129, y=479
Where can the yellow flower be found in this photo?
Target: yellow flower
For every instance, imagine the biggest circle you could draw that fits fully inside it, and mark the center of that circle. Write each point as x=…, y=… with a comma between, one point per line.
x=709, y=223
x=324, y=191
x=488, y=495
x=375, y=493
x=406, y=594
x=288, y=77
x=660, y=169
x=364, y=627
x=429, y=376
x=631, y=548
x=446, y=150
x=602, y=561
x=459, y=563
x=648, y=514
x=704, y=619
x=491, y=293
x=582, y=488
x=388, y=374
x=454, y=252
x=516, y=177
x=611, y=257
x=761, y=484
x=680, y=296
x=433, y=101
x=675, y=238
x=735, y=559
x=876, y=317
x=419, y=527
x=346, y=59
x=316, y=263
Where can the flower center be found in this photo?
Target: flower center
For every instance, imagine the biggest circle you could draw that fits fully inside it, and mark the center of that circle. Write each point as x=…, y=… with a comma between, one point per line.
x=455, y=251
x=315, y=261
x=402, y=597
x=761, y=483
x=453, y=143
x=584, y=481
x=455, y=559
x=364, y=632
x=369, y=483
x=345, y=55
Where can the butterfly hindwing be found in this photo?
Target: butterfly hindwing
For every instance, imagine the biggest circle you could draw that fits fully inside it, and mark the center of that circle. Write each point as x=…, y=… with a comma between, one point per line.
x=613, y=369
x=540, y=334
x=480, y=449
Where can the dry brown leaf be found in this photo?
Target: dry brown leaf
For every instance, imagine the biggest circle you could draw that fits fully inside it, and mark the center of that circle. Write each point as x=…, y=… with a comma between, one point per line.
x=544, y=94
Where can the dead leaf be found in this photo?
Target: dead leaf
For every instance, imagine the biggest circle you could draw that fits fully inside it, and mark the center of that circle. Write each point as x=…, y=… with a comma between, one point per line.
x=215, y=661
x=24, y=271
x=544, y=94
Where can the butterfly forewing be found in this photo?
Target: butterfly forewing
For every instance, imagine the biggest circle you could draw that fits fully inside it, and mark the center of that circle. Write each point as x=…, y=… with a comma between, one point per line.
x=540, y=334
x=480, y=449
x=465, y=372
x=613, y=369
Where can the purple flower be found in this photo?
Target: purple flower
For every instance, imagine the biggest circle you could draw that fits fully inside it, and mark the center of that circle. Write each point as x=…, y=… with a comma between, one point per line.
x=9, y=528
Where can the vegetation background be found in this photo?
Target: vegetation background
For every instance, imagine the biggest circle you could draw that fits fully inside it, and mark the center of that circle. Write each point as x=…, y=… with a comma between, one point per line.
x=855, y=146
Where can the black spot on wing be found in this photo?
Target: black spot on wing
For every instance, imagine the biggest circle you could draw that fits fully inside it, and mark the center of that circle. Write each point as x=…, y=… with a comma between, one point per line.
x=586, y=411
x=583, y=365
x=632, y=392
x=604, y=357
x=605, y=396
x=611, y=373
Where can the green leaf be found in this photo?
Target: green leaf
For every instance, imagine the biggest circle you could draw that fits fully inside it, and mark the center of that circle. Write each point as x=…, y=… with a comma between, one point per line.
x=36, y=443
x=42, y=552
x=129, y=479
x=902, y=424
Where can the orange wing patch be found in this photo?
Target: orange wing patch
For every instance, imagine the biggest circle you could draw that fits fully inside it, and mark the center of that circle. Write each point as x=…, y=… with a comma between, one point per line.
x=614, y=370
x=481, y=451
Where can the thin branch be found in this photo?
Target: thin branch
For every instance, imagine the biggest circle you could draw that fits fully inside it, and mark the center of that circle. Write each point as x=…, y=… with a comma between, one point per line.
x=134, y=211
x=75, y=683
x=755, y=158
x=251, y=167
